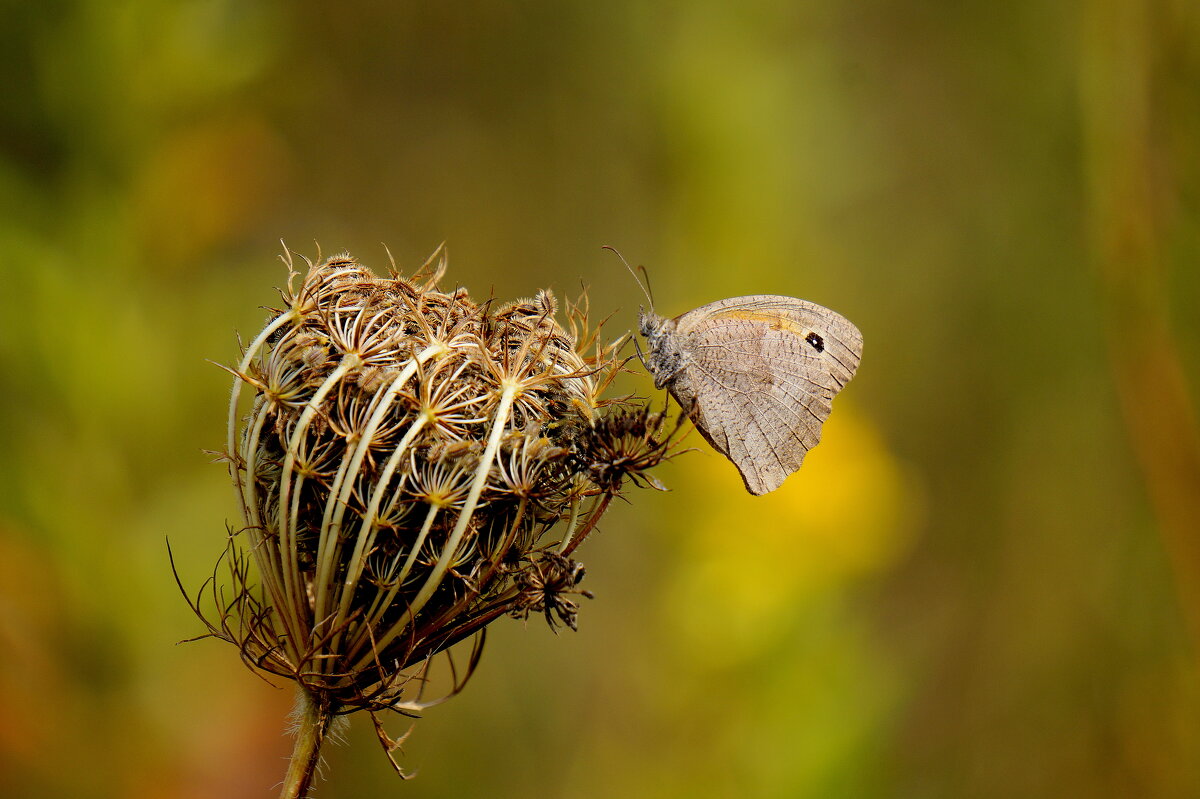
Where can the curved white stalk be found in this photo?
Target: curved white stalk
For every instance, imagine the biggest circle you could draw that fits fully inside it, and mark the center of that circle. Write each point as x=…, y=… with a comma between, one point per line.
x=366, y=532
x=287, y=520
x=343, y=485
x=242, y=463
x=327, y=551
x=235, y=394
x=509, y=391
x=576, y=501
x=384, y=601
x=266, y=550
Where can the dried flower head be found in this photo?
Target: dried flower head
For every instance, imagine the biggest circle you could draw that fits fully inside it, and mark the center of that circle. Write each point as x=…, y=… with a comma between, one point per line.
x=626, y=444
x=410, y=467
x=543, y=588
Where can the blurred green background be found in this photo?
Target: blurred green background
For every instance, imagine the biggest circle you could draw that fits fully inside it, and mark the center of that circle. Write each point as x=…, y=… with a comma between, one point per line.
x=984, y=583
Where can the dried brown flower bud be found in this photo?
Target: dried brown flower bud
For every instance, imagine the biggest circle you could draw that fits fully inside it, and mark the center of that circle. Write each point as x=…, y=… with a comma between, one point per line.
x=412, y=466
x=543, y=586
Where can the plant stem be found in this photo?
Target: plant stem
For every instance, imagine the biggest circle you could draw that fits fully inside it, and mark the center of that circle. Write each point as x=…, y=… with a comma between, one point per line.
x=569, y=544
x=313, y=717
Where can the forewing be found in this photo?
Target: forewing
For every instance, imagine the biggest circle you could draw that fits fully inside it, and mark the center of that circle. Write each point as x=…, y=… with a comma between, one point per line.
x=762, y=387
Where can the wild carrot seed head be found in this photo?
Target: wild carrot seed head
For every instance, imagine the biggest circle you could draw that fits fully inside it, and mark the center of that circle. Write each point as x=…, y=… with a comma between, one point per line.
x=412, y=465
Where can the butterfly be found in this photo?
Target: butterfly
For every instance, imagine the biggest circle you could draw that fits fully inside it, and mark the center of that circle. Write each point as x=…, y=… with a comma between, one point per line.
x=757, y=376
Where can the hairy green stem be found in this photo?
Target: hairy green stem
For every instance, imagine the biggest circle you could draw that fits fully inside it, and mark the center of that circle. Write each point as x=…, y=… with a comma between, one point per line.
x=314, y=715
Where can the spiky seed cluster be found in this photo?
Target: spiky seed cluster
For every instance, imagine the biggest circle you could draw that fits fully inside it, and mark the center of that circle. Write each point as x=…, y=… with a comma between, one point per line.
x=544, y=587
x=404, y=461
x=626, y=444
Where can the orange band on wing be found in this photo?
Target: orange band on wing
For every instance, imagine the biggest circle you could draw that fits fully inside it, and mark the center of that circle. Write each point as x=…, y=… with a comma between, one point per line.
x=776, y=321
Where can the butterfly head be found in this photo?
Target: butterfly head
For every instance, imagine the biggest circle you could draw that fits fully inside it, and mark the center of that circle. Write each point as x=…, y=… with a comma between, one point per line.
x=664, y=358
x=650, y=325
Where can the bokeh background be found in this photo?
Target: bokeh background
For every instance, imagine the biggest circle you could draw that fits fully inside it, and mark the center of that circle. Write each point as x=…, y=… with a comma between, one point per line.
x=984, y=583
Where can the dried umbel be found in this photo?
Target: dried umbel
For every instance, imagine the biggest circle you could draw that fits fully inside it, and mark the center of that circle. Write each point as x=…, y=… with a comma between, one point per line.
x=411, y=467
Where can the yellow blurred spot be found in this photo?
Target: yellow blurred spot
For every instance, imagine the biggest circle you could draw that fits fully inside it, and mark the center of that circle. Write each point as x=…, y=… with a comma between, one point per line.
x=748, y=563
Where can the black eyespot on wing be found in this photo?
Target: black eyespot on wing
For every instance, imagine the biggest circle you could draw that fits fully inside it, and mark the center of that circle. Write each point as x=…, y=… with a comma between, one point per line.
x=816, y=341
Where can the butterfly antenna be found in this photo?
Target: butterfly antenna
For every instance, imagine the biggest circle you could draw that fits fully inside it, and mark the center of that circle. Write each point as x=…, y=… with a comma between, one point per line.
x=643, y=286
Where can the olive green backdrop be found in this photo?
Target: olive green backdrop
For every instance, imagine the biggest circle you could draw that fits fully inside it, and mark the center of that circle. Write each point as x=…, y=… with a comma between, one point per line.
x=984, y=583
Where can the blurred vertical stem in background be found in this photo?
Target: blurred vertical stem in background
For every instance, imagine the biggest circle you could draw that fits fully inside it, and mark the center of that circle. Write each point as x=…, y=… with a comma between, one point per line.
x=1128, y=51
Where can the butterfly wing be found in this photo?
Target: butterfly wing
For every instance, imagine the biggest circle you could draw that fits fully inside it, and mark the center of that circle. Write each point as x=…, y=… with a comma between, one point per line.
x=761, y=375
